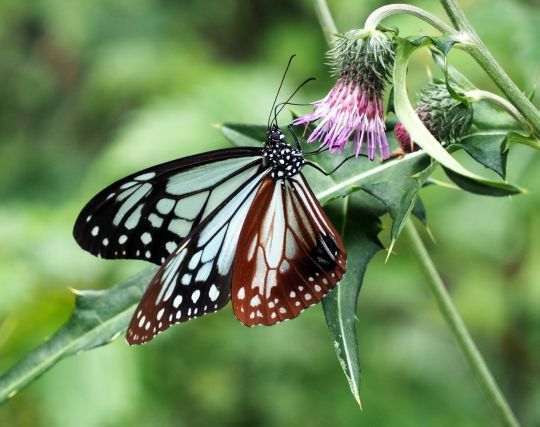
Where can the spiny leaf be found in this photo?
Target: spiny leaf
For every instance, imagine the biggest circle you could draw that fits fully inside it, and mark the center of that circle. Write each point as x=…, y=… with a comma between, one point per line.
x=419, y=211
x=360, y=229
x=488, y=148
x=478, y=187
x=98, y=318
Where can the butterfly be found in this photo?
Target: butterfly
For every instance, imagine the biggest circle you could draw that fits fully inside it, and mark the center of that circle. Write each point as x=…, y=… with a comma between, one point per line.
x=238, y=224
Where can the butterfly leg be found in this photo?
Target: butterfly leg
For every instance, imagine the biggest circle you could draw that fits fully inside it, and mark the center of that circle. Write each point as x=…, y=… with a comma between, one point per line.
x=321, y=149
x=316, y=166
x=293, y=133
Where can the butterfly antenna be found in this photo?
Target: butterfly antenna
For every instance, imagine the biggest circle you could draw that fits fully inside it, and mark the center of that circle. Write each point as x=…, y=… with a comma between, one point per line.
x=283, y=104
x=279, y=88
x=301, y=104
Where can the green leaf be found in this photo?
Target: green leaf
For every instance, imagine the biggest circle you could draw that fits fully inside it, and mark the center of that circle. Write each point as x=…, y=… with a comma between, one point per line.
x=244, y=135
x=419, y=133
x=360, y=229
x=99, y=317
x=478, y=187
x=419, y=211
x=488, y=116
x=489, y=149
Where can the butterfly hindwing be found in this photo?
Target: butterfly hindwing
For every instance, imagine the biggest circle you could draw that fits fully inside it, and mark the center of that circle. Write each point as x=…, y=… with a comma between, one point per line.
x=196, y=279
x=289, y=255
x=147, y=214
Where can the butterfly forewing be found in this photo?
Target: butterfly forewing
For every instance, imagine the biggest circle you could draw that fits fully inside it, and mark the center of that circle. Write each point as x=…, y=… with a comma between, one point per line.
x=289, y=255
x=147, y=214
x=196, y=279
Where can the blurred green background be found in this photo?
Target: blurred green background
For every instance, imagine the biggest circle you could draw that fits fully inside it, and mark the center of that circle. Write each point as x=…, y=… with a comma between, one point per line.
x=93, y=90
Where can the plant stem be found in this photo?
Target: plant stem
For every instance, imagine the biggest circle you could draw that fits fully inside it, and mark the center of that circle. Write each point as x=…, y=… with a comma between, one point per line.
x=383, y=12
x=479, y=95
x=325, y=19
x=458, y=328
x=478, y=50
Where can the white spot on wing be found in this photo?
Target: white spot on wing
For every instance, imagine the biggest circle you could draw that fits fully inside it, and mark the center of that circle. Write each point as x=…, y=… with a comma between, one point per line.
x=212, y=247
x=155, y=220
x=145, y=176
x=131, y=201
x=164, y=206
x=203, y=272
x=194, y=261
x=190, y=207
x=146, y=237
x=170, y=246
x=134, y=218
x=252, y=247
x=213, y=293
x=177, y=301
x=180, y=227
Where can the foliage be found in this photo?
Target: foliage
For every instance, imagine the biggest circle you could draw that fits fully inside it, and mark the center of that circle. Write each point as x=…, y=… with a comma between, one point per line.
x=92, y=100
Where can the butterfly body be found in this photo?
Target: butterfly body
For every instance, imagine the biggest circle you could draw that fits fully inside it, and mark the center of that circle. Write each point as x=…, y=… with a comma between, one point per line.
x=284, y=160
x=238, y=224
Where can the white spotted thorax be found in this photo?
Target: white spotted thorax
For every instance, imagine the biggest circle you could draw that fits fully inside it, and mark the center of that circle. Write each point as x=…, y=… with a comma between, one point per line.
x=284, y=160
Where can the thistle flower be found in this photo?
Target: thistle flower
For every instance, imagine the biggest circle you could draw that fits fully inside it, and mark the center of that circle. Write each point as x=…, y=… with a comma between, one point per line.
x=446, y=118
x=353, y=109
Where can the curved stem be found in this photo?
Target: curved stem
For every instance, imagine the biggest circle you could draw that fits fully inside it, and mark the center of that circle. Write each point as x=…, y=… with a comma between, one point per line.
x=485, y=59
x=377, y=16
x=325, y=19
x=483, y=95
x=458, y=328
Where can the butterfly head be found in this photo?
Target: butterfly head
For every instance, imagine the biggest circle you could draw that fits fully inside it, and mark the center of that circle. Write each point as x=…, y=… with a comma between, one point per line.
x=284, y=160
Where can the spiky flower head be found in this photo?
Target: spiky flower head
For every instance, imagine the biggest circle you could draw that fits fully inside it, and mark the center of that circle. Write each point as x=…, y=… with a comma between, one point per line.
x=353, y=109
x=447, y=118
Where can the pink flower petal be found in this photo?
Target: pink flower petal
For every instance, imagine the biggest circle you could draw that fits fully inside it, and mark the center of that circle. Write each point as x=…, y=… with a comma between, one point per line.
x=348, y=113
